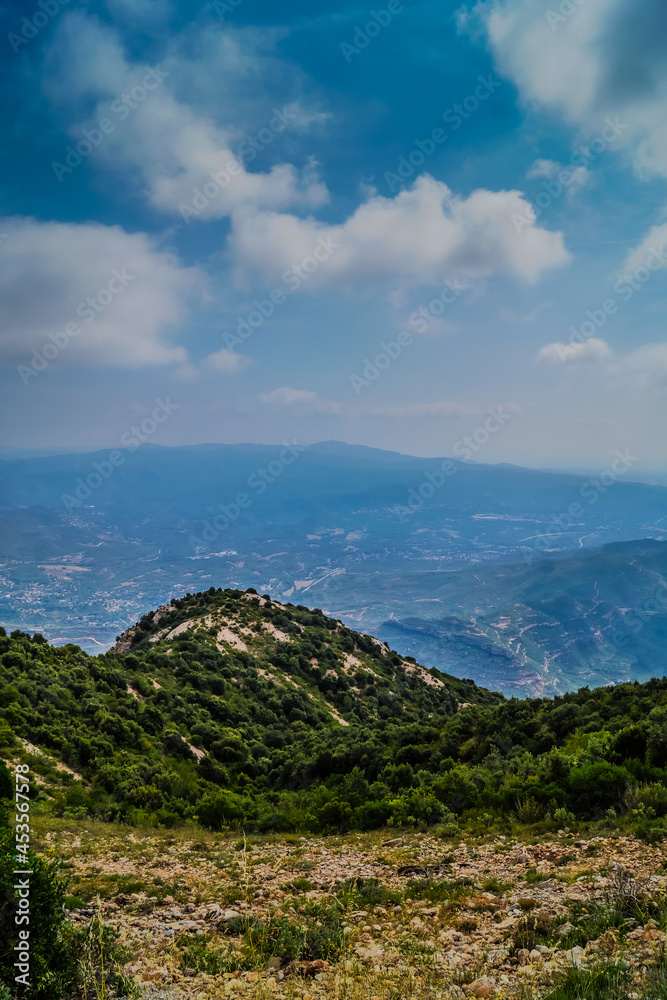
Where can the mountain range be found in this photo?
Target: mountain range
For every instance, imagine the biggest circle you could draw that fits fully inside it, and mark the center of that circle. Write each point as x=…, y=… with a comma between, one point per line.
x=521, y=579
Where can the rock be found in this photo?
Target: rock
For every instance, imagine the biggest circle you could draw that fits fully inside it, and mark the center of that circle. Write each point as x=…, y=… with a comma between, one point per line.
x=308, y=968
x=231, y=915
x=393, y=843
x=482, y=987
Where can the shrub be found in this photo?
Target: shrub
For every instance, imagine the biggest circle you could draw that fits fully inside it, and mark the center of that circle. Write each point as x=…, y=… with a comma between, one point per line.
x=53, y=966
x=322, y=937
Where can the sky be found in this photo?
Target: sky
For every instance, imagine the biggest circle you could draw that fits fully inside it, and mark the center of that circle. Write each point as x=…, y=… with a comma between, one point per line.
x=396, y=226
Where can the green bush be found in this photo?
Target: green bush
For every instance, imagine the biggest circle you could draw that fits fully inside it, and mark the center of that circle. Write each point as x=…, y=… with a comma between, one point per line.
x=320, y=937
x=54, y=970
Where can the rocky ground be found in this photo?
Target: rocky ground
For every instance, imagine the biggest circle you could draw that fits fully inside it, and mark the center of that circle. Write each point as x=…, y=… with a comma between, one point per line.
x=442, y=919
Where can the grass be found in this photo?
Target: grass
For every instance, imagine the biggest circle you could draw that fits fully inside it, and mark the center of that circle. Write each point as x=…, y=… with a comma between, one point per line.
x=590, y=921
x=359, y=892
x=496, y=886
x=321, y=937
x=608, y=981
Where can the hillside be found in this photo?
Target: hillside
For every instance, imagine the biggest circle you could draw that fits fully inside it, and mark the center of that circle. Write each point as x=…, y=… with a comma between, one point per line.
x=225, y=690
x=232, y=708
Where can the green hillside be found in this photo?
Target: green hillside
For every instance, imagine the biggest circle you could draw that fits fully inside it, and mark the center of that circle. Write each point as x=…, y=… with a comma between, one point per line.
x=232, y=709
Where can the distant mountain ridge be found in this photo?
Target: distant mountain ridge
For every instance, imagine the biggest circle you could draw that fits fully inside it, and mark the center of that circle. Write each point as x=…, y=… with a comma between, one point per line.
x=362, y=532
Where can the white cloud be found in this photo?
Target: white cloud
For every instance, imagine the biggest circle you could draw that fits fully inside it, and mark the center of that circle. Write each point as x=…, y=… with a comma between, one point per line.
x=651, y=252
x=177, y=137
x=170, y=143
x=543, y=168
x=299, y=399
x=608, y=57
x=57, y=273
x=419, y=237
x=226, y=361
x=577, y=178
x=636, y=370
x=594, y=349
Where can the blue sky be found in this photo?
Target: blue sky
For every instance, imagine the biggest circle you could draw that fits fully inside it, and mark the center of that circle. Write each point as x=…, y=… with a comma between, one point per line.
x=370, y=163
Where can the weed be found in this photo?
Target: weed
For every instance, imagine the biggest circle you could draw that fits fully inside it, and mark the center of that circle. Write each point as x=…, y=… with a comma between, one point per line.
x=322, y=937
x=298, y=885
x=533, y=877
x=359, y=892
x=496, y=886
x=608, y=981
x=532, y=930
x=466, y=925
x=199, y=954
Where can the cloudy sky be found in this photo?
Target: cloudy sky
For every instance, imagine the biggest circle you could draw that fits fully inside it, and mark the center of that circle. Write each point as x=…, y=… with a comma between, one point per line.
x=324, y=220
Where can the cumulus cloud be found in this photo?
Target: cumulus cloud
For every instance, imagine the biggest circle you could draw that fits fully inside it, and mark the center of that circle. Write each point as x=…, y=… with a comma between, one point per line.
x=190, y=157
x=300, y=400
x=594, y=350
x=418, y=237
x=226, y=361
x=123, y=293
x=170, y=143
x=603, y=58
